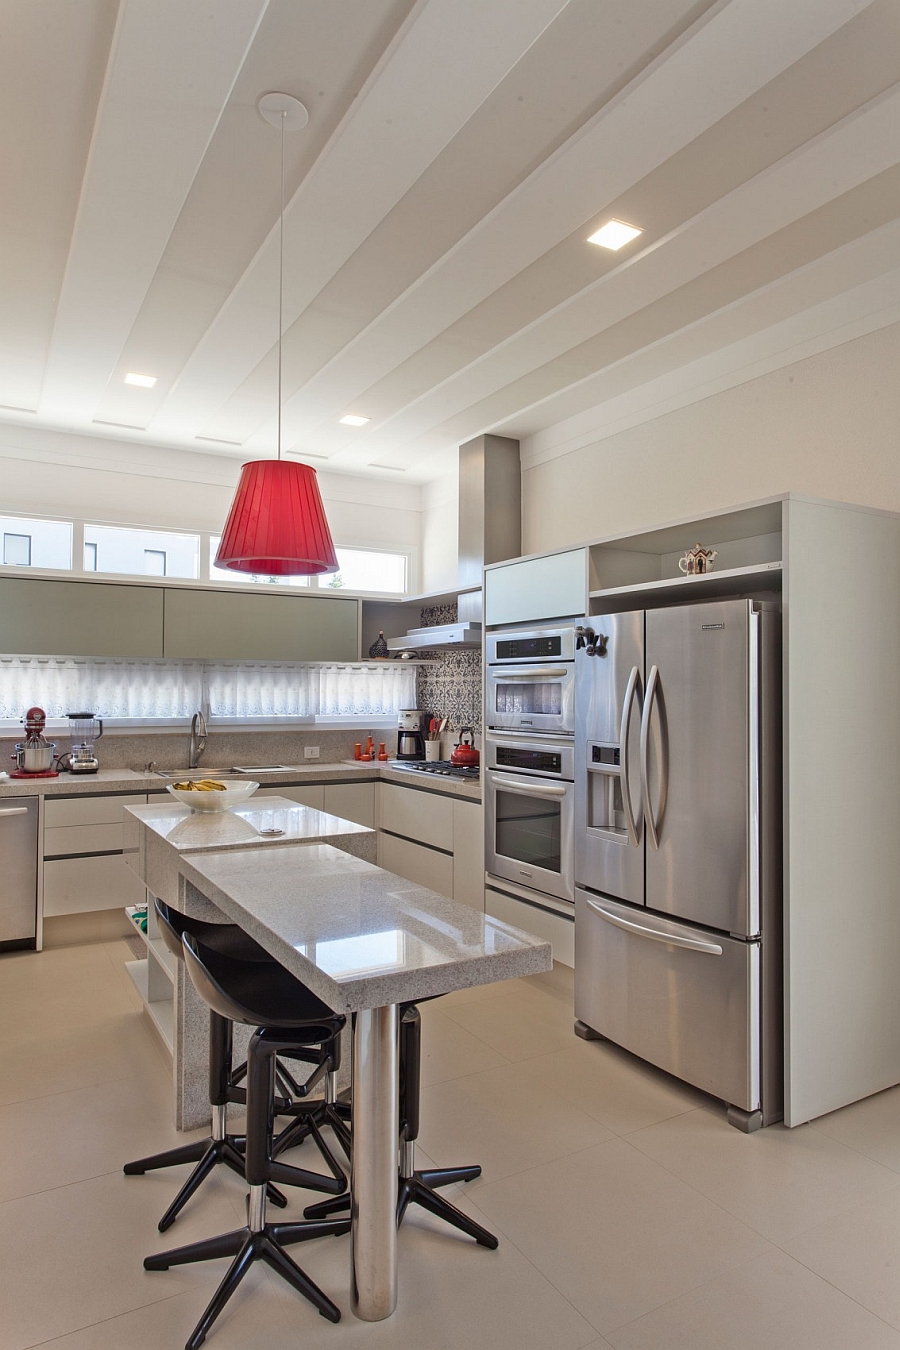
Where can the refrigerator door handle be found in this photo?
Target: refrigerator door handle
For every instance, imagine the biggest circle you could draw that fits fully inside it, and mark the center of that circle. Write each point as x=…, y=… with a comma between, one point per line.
x=634, y=827
x=670, y=939
x=653, y=826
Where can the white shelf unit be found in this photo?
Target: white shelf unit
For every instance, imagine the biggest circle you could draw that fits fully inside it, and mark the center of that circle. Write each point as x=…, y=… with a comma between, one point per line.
x=710, y=586
x=154, y=977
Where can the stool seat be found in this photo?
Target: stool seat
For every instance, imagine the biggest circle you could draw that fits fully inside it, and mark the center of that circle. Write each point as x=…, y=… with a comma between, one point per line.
x=237, y=989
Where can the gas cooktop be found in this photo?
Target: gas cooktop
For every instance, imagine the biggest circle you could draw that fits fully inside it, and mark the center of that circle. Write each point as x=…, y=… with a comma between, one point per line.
x=438, y=766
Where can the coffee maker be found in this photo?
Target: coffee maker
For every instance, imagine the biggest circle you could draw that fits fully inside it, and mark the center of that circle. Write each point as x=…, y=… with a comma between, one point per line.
x=410, y=738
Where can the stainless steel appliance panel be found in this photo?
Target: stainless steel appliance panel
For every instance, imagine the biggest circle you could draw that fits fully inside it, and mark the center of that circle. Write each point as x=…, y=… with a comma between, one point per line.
x=528, y=829
x=699, y=739
x=18, y=866
x=509, y=753
x=530, y=680
x=609, y=849
x=534, y=644
x=680, y=997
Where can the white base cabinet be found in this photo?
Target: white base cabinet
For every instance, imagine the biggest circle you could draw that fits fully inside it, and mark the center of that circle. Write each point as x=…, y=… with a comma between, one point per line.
x=434, y=840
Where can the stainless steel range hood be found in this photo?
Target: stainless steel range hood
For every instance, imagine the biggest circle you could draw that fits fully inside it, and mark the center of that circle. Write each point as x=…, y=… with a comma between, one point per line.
x=489, y=529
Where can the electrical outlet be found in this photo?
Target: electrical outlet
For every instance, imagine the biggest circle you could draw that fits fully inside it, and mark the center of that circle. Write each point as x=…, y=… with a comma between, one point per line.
x=310, y=752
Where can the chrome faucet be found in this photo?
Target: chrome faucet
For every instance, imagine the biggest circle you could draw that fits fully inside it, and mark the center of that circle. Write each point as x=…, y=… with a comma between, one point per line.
x=198, y=739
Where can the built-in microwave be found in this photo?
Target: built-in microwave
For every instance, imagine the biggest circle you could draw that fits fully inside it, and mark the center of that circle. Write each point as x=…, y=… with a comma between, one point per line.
x=530, y=680
x=530, y=812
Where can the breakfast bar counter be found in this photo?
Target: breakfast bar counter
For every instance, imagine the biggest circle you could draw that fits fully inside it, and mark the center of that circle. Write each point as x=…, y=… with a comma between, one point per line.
x=365, y=941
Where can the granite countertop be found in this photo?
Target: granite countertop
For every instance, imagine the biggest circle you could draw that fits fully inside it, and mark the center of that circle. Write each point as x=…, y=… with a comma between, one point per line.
x=134, y=780
x=358, y=936
x=190, y=831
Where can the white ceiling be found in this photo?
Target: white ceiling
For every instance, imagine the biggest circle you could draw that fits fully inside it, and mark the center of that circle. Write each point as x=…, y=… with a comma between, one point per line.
x=437, y=274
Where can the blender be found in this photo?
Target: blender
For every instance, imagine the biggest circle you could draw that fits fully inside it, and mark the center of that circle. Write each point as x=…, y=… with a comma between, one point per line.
x=84, y=730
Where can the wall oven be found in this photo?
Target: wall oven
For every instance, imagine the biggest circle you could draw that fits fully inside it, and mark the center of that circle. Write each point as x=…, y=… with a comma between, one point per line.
x=530, y=680
x=530, y=812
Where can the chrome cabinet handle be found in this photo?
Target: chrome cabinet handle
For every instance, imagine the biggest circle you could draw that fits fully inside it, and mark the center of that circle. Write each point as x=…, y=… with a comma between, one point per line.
x=672, y=939
x=528, y=789
x=653, y=826
x=627, y=706
x=14, y=811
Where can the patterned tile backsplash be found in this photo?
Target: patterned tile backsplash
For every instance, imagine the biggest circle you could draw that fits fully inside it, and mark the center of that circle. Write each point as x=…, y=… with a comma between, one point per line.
x=452, y=686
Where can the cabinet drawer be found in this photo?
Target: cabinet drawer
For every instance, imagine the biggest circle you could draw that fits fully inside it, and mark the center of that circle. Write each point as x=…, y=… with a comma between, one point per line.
x=106, y=810
x=79, y=885
x=421, y=865
x=424, y=816
x=314, y=795
x=352, y=801
x=64, y=839
x=541, y=923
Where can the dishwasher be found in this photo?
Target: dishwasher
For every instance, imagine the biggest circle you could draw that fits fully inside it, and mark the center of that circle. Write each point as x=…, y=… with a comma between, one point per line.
x=18, y=869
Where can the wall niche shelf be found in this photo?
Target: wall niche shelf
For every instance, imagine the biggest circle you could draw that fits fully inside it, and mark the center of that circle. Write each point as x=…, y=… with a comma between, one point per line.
x=709, y=586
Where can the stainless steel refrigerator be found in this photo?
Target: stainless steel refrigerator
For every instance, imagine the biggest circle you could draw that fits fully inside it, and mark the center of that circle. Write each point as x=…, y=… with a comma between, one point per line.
x=678, y=845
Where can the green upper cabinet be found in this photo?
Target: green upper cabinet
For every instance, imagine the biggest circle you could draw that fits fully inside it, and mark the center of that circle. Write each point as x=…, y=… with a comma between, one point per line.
x=226, y=626
x=79, y=618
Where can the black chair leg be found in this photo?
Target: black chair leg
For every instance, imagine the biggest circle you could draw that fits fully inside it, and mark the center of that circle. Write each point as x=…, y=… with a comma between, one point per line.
x=233, y=1276
x=173, y=1157
x=217, y=1151
x=414, y=1192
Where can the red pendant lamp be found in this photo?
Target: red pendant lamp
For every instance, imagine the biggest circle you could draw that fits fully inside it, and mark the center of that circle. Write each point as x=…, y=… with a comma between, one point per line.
x=276, y=526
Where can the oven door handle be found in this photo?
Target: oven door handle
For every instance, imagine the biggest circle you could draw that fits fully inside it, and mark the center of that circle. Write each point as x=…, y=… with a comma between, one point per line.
x=519, y=673
x=514, y=784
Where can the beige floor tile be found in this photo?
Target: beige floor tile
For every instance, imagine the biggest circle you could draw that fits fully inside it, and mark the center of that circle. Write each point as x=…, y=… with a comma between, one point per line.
x=504, y=1120
x=449, y=1051
x=453, y=1295
x=72, y=1136
x=773, y=1303
x=500, y=989
x=616, y=1234
x=73, y=1256
x=778, y=1181
x=612, y=1086
x=253, y=1320
x=80, y=1006
x=859, y=1252
x=74, y=1057
x=528, y=1023
x=871, y=1126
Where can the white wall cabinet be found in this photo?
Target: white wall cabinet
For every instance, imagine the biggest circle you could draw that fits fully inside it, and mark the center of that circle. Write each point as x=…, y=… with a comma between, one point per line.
x=534, y=589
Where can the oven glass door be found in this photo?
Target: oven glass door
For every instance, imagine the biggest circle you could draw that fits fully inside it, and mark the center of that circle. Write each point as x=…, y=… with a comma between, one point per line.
x=536, y=698
x=530, y=832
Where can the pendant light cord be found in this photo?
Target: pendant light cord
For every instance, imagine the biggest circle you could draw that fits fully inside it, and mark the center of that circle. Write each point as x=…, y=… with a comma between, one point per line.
x=281, y=281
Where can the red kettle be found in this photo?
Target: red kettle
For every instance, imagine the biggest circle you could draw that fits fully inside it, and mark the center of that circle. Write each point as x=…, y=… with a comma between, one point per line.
x=465, y=756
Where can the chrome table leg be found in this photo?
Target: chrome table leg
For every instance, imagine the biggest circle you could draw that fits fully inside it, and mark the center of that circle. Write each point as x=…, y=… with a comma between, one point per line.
x=373, y=1179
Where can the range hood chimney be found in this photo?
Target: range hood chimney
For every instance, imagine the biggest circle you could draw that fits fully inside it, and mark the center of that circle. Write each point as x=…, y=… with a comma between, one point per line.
x=489, y=531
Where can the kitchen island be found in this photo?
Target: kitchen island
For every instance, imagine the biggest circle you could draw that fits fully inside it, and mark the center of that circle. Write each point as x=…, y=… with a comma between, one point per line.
x=364, y=941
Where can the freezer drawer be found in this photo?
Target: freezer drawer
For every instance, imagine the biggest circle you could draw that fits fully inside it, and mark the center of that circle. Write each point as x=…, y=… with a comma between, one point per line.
x=680, y=997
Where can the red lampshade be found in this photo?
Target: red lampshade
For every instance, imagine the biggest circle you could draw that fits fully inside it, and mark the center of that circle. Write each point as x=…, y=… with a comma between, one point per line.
x=276, y=525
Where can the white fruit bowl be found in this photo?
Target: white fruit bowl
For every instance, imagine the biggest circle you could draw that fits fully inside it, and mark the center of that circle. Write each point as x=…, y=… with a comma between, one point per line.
x=233, y=795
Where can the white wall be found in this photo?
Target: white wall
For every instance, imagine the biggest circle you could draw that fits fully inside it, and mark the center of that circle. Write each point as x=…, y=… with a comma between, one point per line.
x=440, y=534
x=827, y=426
x=122, y=482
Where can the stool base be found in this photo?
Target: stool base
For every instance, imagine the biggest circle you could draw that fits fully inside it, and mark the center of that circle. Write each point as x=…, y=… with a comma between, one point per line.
x=419, y=1189
x=206, y=1153
x=246, y=1246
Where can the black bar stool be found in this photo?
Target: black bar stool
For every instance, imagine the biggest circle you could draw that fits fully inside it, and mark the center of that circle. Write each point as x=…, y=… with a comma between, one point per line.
x=220, y=1147
x=417, y=1187
x=289, y=1019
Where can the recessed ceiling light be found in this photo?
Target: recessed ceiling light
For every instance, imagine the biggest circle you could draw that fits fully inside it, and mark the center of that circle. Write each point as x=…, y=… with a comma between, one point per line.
x=354, y=420
x=614, y=234
x=143, y=381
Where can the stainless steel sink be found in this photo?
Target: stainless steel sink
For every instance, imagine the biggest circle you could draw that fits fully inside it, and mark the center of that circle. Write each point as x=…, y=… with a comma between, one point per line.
x=202, y=771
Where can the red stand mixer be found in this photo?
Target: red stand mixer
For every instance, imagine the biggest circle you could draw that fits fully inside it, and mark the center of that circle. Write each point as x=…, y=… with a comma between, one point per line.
x=34, y=756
